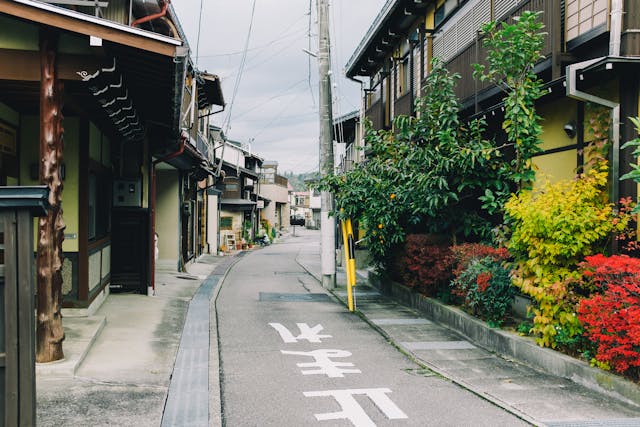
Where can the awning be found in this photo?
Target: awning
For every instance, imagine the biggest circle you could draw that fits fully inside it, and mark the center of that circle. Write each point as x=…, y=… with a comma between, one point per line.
x=237, y=204
x=211, y=90
x=234, y=170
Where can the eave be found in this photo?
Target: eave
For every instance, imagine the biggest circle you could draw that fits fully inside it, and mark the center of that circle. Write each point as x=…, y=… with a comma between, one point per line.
x=69, y=20
x=393, y=21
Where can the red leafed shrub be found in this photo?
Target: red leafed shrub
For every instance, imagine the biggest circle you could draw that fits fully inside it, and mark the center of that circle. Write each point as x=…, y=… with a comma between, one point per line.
x=600, y=271
x=425, y=263
x=611, y=317
x=464, y=253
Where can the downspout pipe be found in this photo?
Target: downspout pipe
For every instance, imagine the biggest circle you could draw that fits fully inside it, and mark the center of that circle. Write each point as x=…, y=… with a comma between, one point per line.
x=362, y=109
x=573, y=92
x=572, y=70
x=169, y=156
x=148, y=18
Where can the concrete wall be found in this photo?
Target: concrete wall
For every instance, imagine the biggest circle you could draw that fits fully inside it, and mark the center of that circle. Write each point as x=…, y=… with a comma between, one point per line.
x=213, y=216
x=167, y=216
x=278, y=196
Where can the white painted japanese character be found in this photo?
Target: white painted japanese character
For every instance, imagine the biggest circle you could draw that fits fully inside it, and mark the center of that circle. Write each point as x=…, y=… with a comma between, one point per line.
x=306, y=333
x=352, y=411
x=324, y=363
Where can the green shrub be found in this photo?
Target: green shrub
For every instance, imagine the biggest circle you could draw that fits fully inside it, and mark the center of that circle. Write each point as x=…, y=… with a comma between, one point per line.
x=487, y=290
x=553, y=229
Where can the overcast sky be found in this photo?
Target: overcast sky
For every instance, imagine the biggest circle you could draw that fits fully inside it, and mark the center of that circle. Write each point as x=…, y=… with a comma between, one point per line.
x=276, y=102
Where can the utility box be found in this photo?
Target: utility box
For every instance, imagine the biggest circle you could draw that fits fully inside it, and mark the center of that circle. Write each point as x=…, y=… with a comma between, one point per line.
x=18, y=206
x=127, y=193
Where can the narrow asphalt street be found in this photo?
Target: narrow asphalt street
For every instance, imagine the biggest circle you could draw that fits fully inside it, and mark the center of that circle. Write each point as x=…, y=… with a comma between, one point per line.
x=291, y=355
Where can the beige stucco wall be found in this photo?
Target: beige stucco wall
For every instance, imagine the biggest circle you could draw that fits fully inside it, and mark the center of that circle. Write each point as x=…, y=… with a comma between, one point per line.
x=277, y=194
x=212, y=223
x=167, y=215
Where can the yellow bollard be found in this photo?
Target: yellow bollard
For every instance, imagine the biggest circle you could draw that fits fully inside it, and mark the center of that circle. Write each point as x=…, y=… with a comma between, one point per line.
x=350, y=260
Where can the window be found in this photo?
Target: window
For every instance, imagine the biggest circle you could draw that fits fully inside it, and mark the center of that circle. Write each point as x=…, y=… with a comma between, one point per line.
x=99, y=205
x=226, y=223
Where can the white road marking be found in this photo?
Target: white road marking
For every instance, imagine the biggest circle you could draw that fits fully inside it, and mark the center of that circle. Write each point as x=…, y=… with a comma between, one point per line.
x=352, y=411
x=324, y=363
x=306, y=333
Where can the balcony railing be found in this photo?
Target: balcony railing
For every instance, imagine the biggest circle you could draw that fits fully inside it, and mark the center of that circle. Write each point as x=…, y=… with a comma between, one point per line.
x=281, y=181
x=461, y=62
x=203, y=146
x=374, y=113
x=403, y=105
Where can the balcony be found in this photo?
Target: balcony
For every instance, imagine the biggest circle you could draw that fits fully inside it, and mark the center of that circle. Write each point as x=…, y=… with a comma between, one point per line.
x=403, y=106
x=374, y=113
x=458, y=46
x=281, y=181
x=204, y=147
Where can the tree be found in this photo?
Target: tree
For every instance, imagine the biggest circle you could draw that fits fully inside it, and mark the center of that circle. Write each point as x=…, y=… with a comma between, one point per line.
x=50, y=334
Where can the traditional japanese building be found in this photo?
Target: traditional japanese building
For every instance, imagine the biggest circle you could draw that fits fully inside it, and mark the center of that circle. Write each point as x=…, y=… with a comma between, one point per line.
x=113, y=86
x=591, y=50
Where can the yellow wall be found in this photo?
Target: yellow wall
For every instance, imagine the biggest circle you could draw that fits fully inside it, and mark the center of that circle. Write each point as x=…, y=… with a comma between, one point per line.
x=554, y=116
x=555, y=167
x=167, y=211
x=29, y=154
x=562, y=165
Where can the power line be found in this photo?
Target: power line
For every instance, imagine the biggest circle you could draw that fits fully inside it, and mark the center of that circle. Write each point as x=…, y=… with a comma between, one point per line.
x=279, y=38
x=266, y=101
x=313, y=99
x=199, y=26
x=242, y=62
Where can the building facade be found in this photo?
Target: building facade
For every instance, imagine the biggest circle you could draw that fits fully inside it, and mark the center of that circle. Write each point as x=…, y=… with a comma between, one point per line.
x=591, y=50
x=128, y=103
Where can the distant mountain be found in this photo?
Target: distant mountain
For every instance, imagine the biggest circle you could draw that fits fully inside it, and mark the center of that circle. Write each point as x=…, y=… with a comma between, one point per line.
x=297, y=181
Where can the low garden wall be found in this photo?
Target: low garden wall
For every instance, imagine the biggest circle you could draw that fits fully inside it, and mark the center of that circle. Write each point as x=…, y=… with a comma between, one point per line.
x=511, y=345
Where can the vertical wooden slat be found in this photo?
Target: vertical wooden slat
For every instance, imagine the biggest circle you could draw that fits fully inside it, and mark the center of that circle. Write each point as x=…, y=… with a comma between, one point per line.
x=3, y=361
x=10, y=322
x=26, y=323
x=83, y=210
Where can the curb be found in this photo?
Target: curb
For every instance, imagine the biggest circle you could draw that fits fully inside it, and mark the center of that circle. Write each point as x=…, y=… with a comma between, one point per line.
x=507, y=344
x=68, y=366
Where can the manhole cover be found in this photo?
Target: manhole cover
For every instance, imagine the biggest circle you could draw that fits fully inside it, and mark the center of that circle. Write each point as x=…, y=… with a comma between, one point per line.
x=270, y=296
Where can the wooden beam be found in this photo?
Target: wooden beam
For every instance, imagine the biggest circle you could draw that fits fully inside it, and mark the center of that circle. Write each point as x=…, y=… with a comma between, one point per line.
x=85, y=27
x=24, y=65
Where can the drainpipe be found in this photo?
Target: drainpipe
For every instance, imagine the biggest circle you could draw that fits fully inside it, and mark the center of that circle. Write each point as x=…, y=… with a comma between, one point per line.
x=148, y=18
x=572, y=92
x=362, y=109
x=153, y=208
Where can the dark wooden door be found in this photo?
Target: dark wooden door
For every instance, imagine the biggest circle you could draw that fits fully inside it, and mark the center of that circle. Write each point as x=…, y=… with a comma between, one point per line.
x=130, y=249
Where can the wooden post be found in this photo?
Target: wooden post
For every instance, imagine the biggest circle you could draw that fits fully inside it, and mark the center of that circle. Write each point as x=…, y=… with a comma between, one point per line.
x=50, y=333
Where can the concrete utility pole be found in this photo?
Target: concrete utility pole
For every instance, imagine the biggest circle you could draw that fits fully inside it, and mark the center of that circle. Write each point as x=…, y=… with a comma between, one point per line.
x=327, y=224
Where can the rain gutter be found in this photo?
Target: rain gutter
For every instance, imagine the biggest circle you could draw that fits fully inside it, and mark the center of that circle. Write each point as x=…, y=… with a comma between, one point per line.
x=572, y=92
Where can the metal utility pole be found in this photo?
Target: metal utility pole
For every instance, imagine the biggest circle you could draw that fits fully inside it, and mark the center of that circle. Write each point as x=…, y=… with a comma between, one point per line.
x=327, y=224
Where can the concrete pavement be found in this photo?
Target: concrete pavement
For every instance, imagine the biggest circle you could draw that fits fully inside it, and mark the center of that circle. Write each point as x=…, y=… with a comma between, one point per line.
x=531, y=393
x=119, y=362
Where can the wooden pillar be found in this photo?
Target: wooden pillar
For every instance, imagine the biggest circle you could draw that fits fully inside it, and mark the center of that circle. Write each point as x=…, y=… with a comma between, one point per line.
x=50, y=333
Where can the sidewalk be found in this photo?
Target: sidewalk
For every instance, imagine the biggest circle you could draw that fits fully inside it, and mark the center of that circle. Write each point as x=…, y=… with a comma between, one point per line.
x=119, y=362
x=532, y=394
